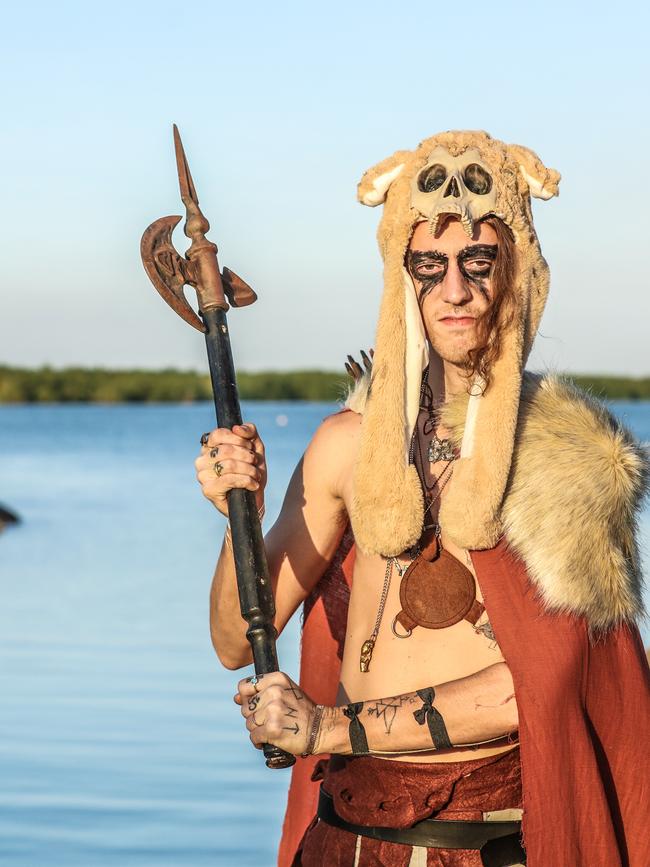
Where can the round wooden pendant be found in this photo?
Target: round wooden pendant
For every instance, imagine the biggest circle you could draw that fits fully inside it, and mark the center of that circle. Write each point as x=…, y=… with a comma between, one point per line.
x=436, y=594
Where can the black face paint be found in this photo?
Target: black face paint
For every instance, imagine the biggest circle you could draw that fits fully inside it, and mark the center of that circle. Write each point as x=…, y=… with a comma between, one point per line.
x=475, y=263
x=428, y=267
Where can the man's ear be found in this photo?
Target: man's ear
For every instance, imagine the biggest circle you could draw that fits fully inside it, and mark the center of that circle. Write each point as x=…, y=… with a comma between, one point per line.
x=373, y=186
x=543, y=183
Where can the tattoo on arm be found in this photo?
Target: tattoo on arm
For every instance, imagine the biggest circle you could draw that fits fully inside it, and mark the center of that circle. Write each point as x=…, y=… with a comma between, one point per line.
x=386, y=709
x=479, y=703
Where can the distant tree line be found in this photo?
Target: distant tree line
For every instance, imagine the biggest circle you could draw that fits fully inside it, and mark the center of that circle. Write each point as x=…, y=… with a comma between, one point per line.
x=97, y=385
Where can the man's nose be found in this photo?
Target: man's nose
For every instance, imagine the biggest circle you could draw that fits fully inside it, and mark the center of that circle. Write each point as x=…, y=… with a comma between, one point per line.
x=454, y=288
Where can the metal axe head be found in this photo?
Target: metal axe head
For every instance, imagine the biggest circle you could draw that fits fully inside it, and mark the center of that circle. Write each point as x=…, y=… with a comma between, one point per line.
x=170, y=272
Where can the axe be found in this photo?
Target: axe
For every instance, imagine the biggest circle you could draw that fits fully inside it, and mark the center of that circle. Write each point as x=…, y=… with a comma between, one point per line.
x=170, y=272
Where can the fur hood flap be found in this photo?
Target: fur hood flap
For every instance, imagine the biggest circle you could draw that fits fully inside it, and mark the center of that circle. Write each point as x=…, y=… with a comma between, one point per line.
x=570, y=510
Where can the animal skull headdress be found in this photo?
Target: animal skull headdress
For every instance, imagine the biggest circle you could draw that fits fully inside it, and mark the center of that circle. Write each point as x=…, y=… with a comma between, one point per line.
x=470, y=175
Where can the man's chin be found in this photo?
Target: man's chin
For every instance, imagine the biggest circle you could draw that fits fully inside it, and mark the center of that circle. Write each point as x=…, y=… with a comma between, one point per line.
x=456, y=355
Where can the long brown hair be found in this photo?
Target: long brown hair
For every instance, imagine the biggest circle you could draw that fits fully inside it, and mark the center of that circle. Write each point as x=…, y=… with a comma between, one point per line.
x=499, y=315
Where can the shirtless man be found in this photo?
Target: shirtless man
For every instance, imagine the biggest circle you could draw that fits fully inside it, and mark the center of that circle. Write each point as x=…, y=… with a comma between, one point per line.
x=438, y=701
x=309, y=529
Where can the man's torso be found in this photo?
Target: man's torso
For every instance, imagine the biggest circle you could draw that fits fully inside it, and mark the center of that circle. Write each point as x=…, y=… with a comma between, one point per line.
x=398, y=665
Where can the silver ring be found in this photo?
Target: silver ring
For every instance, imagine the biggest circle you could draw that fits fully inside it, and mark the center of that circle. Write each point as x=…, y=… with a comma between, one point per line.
x=409, y=632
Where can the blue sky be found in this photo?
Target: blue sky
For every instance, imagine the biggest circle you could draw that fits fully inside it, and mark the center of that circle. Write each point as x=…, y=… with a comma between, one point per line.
x=282, y=107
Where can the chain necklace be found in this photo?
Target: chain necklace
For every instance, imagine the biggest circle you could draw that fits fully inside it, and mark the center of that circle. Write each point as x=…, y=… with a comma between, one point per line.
x=437, y=450
x=368, y=645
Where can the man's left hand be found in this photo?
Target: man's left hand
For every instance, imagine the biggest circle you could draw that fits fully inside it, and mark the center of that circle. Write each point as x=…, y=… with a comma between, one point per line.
x=277, y=711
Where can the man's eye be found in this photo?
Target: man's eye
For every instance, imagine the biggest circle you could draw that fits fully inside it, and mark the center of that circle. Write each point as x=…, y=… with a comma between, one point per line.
x=428, y=269
x=479, y=266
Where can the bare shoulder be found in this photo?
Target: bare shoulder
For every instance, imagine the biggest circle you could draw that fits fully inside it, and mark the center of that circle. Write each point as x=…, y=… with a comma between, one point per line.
x=338, y=431
x=333, y=448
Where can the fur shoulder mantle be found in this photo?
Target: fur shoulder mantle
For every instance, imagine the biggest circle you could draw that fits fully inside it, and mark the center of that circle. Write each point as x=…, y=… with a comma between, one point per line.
x=576, y=486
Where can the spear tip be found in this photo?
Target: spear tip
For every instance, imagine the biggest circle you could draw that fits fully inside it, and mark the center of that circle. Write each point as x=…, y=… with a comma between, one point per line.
x=185, y=181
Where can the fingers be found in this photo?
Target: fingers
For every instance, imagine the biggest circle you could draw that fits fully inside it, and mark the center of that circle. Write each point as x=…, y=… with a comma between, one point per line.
x=208, y=468
x=242, y=443
x=214, y=486
x=249, y=432
x=244, y=435
x=276, y=711
x=257, y=683
x=226, y=450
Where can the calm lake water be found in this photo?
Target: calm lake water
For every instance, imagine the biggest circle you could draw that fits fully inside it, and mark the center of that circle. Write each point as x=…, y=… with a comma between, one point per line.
x=119, y=741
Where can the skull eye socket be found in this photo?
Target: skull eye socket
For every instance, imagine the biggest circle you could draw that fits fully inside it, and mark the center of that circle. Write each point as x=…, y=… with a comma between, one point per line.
x=432, y=178
x=477, y=180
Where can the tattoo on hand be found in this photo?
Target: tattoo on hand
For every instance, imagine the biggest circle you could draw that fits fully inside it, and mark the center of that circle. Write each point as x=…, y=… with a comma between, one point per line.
x=295, y=728
x=291, y=711
x=253, y=701
x=295, y=692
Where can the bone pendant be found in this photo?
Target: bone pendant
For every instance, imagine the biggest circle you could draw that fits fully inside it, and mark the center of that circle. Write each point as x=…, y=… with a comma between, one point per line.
x=366, y=654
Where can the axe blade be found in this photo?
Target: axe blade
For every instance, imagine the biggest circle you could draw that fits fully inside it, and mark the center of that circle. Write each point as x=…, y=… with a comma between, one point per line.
x=167, y=269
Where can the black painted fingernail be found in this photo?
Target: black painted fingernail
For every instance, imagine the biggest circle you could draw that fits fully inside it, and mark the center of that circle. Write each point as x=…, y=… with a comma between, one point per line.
x=204, y=439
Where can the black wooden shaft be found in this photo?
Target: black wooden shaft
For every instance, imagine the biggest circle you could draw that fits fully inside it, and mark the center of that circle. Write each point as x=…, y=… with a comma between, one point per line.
x=253, y=582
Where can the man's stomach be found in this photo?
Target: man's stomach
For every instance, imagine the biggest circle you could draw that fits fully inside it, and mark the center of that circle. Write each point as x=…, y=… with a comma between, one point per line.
x=428, y=657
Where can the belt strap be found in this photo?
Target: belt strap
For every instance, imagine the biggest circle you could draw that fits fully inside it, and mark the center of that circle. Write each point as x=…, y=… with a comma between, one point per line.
x=432, y=833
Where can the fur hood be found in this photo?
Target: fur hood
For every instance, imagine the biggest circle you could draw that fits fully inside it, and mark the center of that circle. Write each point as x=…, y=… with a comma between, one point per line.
x=576, y=486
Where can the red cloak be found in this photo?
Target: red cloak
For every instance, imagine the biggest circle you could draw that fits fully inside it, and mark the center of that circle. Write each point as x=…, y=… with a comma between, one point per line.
x=584, y=717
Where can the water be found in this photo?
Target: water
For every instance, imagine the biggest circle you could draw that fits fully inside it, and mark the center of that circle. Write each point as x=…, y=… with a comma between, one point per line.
x=119, y=741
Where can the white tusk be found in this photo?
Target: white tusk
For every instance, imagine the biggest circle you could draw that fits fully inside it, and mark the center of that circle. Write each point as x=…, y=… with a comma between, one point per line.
x=536, y=188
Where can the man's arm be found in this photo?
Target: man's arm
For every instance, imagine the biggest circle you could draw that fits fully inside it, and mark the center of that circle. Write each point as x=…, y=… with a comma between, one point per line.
x=465, y=712
x=300, y=544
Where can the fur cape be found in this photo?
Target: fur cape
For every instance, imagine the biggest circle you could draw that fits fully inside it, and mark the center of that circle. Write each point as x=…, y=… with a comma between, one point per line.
x=581, y=678
x=575, y=488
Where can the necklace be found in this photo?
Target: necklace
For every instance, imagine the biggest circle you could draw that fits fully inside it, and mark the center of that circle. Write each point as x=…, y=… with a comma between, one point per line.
x=429, y=545
x=369, y=644
x=438, y=449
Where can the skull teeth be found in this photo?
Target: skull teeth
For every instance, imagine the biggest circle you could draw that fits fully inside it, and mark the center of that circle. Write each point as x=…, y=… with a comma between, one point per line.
x=433, y=223
x=467, y=224
x=455, y=210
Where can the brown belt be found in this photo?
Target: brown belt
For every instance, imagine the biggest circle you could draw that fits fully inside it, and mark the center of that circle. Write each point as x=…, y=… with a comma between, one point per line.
x=499, y=842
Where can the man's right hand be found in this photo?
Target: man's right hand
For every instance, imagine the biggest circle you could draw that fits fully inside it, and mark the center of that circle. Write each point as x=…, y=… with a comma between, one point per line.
x=231, y=459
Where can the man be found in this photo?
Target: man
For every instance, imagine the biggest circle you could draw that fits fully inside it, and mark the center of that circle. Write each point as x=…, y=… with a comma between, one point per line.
x=496, y=581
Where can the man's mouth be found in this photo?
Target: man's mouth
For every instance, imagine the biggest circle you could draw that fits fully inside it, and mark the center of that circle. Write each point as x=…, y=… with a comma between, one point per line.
x=458, y=321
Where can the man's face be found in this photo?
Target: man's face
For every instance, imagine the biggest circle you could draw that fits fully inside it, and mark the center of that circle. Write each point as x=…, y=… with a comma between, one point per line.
x=453, y=280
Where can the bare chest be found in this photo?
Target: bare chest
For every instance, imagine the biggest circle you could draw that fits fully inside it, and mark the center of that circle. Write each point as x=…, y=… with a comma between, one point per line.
x=404, y=660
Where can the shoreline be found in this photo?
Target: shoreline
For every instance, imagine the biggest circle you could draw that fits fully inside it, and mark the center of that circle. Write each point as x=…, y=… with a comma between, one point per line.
x=47, y=385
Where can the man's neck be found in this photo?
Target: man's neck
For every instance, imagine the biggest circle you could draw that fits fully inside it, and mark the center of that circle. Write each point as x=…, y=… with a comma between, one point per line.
x=454, y=381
